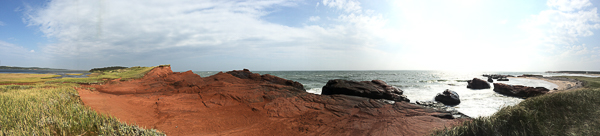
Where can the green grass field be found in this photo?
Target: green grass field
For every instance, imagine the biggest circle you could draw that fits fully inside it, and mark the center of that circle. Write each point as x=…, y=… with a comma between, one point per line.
x=52, y=106
x=572, y=112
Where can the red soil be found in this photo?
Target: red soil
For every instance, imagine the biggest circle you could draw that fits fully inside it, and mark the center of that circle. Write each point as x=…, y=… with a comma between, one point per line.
x=243, y=103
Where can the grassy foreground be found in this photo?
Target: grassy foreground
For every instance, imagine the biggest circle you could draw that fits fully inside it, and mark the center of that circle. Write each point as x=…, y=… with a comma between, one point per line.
x=573, y=112
x=53, y=107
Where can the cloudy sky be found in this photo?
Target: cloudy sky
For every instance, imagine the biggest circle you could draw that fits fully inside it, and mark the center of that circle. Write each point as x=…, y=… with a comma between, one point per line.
x=224, y=35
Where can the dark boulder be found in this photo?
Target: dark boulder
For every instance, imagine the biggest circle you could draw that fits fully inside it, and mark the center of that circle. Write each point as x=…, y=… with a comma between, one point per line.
x=519, y=90
x=490, y=80
x=448, y=97
x=477, y=83
x=503, y=79
x=375, y=89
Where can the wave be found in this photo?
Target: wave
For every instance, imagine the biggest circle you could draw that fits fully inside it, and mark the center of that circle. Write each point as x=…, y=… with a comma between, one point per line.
x=315, y=91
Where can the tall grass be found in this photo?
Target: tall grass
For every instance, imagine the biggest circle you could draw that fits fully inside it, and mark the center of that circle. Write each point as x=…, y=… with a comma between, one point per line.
x=564, y=113
x=38, y=110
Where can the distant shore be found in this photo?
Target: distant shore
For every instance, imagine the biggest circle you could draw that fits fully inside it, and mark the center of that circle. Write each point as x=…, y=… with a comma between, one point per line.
x=563, y=83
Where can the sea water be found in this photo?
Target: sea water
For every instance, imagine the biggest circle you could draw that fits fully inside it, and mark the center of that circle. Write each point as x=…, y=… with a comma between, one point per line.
x=423, y=85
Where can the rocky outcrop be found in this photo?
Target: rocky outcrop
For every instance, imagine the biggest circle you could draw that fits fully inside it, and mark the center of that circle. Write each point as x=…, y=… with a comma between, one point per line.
x=244, y=103
x=375, y=89
x=477, y=83
x=490, y=80
x=503, y=79
x=519, y=90
x=496, y=76
x=454, y=114
x=530, y=75
x=448, y=97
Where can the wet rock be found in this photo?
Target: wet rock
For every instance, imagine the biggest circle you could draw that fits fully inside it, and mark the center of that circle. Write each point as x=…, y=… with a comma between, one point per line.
x=503, y=79
x=490, y=80
x=519, y=90
x=445, y=111
x=448, y=97
x=375, y=89
x=477, y=83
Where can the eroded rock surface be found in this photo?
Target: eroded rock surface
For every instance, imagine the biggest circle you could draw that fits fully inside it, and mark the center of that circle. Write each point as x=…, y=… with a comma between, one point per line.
x=244, y=103
x=448, y=97
x=519, y=90
x=477, y=83
x=375, y=89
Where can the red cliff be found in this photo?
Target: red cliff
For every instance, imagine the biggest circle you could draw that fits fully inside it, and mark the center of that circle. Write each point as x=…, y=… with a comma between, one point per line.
x=245, y=103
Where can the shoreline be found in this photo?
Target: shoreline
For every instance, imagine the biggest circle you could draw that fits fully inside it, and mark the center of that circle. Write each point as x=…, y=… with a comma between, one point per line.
x=563, y=83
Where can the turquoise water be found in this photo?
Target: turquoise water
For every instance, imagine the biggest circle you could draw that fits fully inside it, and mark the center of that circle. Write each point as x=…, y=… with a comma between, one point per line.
x=422, y=85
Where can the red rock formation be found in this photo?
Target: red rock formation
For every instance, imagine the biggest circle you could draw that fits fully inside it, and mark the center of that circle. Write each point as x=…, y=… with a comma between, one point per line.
x=375, y=89
x=244, y=103
x=519, y=90
x=477, y=83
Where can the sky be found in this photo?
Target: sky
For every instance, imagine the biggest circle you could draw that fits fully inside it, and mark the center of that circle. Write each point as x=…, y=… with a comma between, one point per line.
x=223, y=35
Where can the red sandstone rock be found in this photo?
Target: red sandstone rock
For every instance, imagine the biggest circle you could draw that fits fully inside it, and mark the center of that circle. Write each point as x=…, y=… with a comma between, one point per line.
x=477, y=83
x=244, y=103
x=519, y=90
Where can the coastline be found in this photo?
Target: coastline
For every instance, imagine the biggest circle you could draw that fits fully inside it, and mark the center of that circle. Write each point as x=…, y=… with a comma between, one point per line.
x=563, y=83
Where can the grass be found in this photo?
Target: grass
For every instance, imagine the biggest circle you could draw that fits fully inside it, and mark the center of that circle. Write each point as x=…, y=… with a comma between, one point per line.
x=25, y=78
x=100, y=76
x=52, y=106
x=38, y=110
x=564, y=113
x=74, y=74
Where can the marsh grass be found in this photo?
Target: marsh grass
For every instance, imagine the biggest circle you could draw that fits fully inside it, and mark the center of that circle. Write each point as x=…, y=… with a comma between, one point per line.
x=74, y=74
x=38, y=110
x=573, y=112
x=100, y=76
x=25, y=78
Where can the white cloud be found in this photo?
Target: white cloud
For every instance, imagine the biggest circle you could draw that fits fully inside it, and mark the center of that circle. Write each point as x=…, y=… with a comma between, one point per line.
x=565, y=22
x=557, y=31
x=120, y=31
x=314, y=18
x=346, y=5
x=2, y=23
x=32, y=51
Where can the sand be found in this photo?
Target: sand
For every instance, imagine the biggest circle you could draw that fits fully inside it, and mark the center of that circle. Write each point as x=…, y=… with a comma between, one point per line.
x=561, y=82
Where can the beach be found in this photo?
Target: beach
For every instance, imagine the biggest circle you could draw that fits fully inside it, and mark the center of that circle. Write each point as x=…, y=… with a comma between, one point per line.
x=563, y=83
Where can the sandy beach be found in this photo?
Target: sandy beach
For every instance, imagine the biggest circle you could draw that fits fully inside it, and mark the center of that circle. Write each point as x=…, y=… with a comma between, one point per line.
x=563, y=83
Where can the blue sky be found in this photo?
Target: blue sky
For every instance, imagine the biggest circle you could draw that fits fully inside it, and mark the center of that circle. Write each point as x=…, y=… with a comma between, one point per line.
x=456, y=35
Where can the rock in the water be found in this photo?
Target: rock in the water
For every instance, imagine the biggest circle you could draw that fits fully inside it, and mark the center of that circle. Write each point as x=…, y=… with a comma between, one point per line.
x=490, y=80
x=452, y=112
x=503, y=79
x=375, y=89
x=519, y=90
x=477, y=83
x=448, y=97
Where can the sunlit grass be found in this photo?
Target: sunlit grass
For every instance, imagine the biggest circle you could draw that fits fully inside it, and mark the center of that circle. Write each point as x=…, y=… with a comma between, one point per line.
x=39, y=110
x=573, y=112
x=74, y=74
x=100, y=76
x=25, y=78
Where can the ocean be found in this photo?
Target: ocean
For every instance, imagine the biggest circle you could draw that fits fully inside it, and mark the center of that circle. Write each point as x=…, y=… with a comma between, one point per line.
x=417, y=85
x=423, y=85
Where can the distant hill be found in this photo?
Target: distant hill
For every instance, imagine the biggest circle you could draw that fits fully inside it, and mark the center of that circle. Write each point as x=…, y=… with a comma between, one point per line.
x=28, y=68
